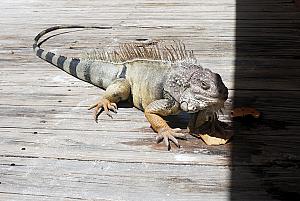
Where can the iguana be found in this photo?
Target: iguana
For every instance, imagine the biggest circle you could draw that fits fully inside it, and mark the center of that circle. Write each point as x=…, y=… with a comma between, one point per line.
x=162, y=80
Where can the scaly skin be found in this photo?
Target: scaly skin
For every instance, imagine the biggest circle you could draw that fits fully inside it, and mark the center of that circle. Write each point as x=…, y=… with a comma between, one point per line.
x=158, y=87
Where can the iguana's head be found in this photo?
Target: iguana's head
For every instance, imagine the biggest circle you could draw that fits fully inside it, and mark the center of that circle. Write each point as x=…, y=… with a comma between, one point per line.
x=196, y=88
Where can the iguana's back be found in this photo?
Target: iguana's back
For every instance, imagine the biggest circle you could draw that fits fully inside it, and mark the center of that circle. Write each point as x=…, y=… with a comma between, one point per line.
x=146, y=79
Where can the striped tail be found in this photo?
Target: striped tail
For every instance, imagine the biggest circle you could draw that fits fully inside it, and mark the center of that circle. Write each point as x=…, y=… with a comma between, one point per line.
x=69, y=65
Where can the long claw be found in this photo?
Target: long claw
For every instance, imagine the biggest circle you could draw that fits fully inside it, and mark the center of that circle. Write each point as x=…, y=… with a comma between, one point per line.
x=97, y=114
x=114, y=105
x=173, y=139
x=166, y=141
x=106, y=110
x=180, y=135
x=113, y=109
x=108, y=114
x=103, y=105
x=169, y=135
x=159, y=138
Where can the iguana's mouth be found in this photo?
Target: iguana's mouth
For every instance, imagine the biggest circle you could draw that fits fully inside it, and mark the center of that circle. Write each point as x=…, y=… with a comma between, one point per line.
x=211, y=99
x=190, y=108
x=193, y=106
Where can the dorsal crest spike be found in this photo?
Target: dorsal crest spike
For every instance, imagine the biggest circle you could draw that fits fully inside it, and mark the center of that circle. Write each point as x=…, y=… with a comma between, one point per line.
x=172, y=51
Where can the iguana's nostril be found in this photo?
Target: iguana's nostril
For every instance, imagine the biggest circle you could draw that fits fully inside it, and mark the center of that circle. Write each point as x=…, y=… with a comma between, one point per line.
x=184, y=106
x=192, y=108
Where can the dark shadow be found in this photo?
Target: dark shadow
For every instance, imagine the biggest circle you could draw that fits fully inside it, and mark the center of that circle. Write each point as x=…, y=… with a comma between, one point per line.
x=266, y=151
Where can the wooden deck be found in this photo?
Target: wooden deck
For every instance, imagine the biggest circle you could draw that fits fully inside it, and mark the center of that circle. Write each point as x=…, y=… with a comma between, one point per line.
x=51, y=149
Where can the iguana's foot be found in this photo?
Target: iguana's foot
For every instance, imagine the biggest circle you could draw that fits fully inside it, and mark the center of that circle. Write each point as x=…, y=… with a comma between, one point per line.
x=168, y=134
x=103, y=105
x=213, y=133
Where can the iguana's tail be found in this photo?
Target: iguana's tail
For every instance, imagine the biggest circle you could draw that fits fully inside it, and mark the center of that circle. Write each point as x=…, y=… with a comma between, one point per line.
x=73, y=66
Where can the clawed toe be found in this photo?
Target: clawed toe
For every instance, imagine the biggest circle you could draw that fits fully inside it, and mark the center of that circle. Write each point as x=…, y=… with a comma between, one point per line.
x=103, y=105
x=113, y=108
x=170, y=135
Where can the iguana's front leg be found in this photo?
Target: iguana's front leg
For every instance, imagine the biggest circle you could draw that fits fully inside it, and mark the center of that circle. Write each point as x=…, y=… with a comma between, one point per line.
x=118, y=90
x=206, y=125
x=153, y=113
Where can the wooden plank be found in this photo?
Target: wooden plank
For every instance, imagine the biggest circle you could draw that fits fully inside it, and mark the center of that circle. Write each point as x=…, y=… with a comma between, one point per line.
x=93, y=180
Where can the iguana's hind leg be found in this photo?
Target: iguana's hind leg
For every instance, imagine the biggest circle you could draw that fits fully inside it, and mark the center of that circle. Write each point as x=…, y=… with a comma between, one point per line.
x=153, y=113
x=118, y=90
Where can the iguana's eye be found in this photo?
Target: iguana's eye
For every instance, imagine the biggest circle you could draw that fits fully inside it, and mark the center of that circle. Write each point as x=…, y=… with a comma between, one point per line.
x=205, y=85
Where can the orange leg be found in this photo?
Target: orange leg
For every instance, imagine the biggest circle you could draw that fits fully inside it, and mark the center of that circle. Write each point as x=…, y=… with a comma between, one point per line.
x=153, y=113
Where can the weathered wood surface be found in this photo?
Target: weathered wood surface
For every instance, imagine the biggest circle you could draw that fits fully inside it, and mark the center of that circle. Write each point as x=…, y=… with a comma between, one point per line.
x=50, y=148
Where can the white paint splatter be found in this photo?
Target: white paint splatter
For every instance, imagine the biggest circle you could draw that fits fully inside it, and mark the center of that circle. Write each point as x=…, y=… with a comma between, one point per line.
x=184, y=157
x=59, y=78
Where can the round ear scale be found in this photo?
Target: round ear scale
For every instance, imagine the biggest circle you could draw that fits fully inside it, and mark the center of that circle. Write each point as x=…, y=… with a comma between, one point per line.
x=180, y=81
x=176, y=84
